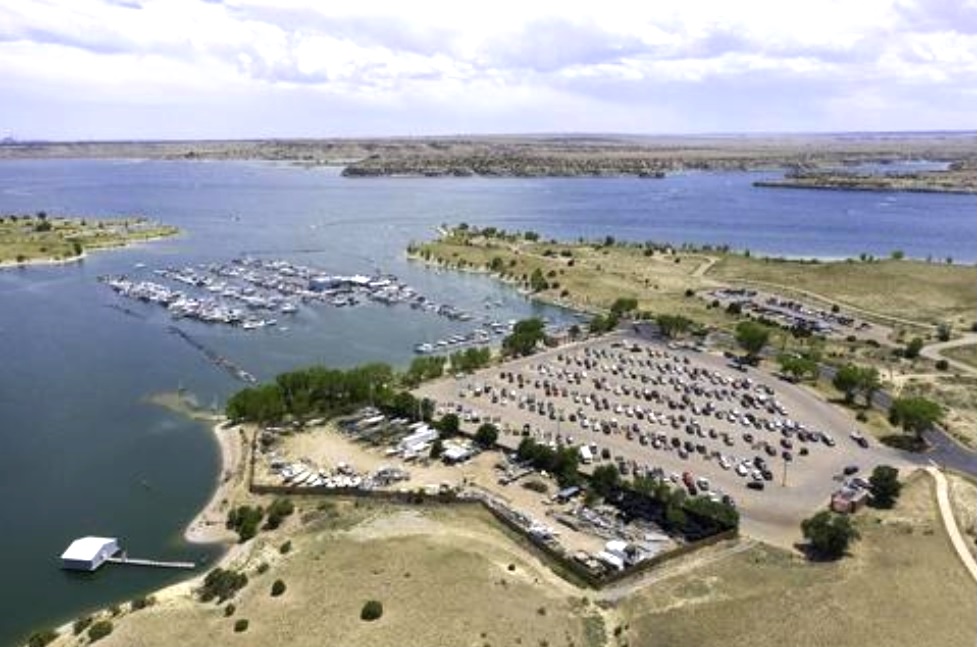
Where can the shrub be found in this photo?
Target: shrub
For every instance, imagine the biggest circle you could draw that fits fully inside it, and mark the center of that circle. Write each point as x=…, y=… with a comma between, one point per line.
x=371, y=611
x=99, y=630
x=221, y=584
x=285, y=548
x=277, y=511
x=277, y=588
x=240, y=626
x=42, y=638
x=263, y=568
x=229, y=610
x=829, y=534
x=81, y=624
x=142, y=602
x=942, y=365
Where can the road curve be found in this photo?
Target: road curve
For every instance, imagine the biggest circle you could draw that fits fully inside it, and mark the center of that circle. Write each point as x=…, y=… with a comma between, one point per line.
x=934, y=352
x=950, y=522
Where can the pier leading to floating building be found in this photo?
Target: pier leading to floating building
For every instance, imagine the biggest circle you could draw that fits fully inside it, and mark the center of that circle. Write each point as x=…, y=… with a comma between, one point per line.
x=89, y=553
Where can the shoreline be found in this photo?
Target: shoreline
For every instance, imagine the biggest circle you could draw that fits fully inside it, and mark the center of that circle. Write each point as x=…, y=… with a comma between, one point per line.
x=5, y=265
x=207, y=526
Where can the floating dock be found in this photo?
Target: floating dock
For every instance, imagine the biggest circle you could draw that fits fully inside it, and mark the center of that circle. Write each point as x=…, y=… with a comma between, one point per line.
x=89, y=553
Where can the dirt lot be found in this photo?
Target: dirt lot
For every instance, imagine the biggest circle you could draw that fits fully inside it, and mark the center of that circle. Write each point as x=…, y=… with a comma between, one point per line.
x=442, y=575
x=903, y=586
x=771, y=515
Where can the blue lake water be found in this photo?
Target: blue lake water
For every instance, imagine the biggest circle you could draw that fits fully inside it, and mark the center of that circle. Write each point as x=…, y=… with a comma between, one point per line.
x=84, y=453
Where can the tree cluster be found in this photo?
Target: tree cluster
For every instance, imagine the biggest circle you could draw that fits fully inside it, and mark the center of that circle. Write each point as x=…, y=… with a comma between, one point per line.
x=798, y=366
x=526, y=335
x=752, y=337
x=561, y=463
x=853, y=380
x=915, y=414
x=470, y=359
x=244, y=520
x=672, y=326
x=277, y=511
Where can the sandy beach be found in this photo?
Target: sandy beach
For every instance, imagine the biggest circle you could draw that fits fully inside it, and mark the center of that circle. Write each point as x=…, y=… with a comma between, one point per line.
x=208, y=525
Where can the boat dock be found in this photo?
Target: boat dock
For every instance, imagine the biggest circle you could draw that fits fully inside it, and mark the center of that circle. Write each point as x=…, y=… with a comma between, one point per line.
x=135, y=561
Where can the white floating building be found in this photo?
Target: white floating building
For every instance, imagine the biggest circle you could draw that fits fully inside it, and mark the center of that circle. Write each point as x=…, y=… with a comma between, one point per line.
x=88, y=553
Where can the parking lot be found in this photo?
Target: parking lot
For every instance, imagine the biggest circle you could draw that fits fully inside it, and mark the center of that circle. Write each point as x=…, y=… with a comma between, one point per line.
x=680, y=414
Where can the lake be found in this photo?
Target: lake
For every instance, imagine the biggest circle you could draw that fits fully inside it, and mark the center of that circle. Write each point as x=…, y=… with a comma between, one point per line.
x=85, y=453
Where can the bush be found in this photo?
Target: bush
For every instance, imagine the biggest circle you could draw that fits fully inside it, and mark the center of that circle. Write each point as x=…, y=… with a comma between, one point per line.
x=371, y=611
x=240, y=626
x=829, y=534
x=140, y=603
x=285, y=548
x=885, y=486
x=277, y=588
x=221, y=584
x=277, y=511
x=81, y=624
x=942, y=365
x=263, y=568
x=229, y=610
x=99, y=630
x=244, y=520
x=42, y=638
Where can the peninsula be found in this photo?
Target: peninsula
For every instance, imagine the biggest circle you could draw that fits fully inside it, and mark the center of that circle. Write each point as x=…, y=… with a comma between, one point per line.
x=959, y=178
x=40, y=238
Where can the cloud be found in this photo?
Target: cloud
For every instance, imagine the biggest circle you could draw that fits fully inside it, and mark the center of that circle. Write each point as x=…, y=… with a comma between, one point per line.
x=440, y=66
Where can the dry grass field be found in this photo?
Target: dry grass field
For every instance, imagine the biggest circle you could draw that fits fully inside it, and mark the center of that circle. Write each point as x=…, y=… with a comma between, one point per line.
x=965, y=354
x=917, y=291
x=588, y=276
x=903, y=585
x=963, y=498
x=442, y=575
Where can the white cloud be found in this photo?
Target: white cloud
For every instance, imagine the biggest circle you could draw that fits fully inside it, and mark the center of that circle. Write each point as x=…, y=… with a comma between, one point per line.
x=611, y=62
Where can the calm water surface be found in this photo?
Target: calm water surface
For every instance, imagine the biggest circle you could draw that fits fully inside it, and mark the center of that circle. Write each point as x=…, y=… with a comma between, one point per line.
x=85, y=453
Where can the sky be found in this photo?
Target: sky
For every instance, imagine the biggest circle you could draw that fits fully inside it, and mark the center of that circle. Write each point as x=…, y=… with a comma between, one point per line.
x=225, y=69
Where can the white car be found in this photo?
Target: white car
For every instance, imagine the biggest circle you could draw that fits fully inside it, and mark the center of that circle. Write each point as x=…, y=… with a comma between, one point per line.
x=742, y=469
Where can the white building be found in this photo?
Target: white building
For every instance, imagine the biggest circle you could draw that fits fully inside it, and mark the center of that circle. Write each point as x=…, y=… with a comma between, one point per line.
x=88, y=553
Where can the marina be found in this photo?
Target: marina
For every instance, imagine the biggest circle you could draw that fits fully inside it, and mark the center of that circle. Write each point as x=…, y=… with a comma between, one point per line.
x=249, y=293
x=91, y=553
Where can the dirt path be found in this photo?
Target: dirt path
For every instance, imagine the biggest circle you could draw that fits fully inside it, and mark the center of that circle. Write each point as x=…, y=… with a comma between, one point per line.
x=934, y=352
x=705, y=267
x=950, y=522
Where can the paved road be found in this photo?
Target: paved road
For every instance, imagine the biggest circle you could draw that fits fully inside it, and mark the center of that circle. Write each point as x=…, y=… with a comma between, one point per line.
x=948, y=453
x=950, y=522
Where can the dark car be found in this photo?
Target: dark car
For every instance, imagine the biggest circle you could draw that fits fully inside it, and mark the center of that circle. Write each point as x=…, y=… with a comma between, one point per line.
x=850, y=469
x=755, y=485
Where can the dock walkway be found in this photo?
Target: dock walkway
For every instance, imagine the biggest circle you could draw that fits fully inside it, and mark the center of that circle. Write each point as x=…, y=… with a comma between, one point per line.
x=135, y=561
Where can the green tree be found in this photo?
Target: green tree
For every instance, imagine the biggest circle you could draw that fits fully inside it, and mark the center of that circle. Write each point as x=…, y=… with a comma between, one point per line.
x=605, y=479
x=277, y=588
x=99, y=630
x=829, y=534
x=42, y=638
x=912, y=348
x=752, y=337
x=673, y=325
x=624, y=305
x=537, y=282
x=915, y=414
x=885, y=486
x=526, y=335
x=797, y=366
x=449, y=425
x=487, y=435
x=852, y=380
x=944, y=331
x=437, y=448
